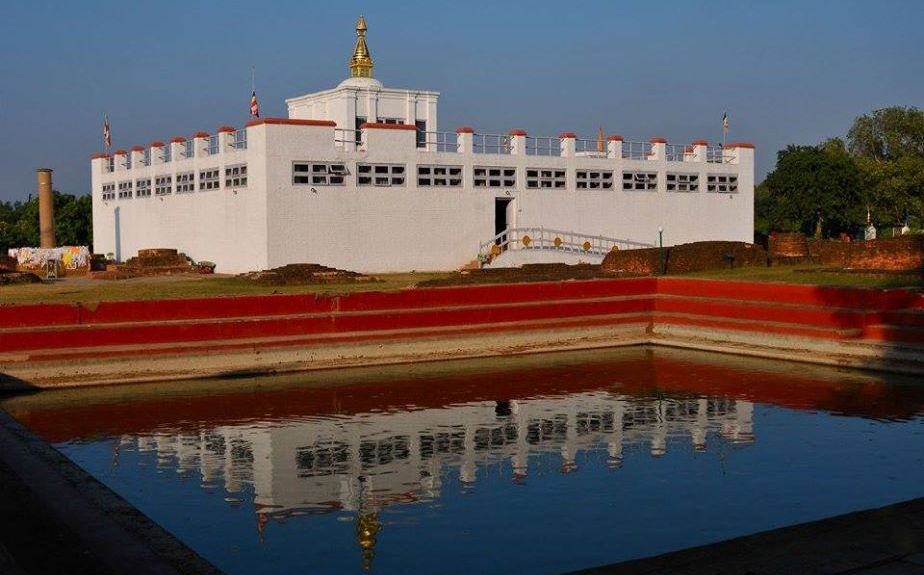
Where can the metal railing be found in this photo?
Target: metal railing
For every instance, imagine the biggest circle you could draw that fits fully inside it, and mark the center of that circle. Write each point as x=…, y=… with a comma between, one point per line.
x=438, y=141
x=348, y=140
x=636, y=150
x=491, y=144
x=676, y=153
x=239, y=142
x=590, y=148
x=718, y=155
x=557, y=240
x=213, y=145
x=189, y=149
x=543, y=146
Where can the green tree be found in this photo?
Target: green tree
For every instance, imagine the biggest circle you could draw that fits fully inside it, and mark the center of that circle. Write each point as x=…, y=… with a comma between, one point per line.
x=889, y=149
x=813, y=189
x=19, y=222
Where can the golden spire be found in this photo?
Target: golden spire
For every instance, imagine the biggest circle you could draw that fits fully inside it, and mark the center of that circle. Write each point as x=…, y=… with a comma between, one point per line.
x=361, y=62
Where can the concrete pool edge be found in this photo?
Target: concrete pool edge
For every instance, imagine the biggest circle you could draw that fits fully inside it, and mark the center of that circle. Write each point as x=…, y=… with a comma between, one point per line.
x=109, y=532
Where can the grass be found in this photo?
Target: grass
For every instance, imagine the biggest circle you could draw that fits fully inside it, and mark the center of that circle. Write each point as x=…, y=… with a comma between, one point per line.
x=80, y=289
x=815, y=276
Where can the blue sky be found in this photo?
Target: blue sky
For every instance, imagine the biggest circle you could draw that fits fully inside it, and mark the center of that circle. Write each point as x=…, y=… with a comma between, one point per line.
x=786, y=71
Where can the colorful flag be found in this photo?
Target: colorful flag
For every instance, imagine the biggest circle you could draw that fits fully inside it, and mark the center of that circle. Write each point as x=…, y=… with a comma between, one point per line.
x=725, y=123
x=254, y=106
x=107, y=136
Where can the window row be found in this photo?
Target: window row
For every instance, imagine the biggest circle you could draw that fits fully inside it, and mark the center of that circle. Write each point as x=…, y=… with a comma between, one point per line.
x=428, y=175
x=234, y=177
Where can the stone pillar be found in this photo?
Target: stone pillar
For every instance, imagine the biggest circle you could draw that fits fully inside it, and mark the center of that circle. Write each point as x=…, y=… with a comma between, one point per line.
x=465, y=140
x=567, y=144
x=137, y=155
x=46, y=208
x=614, y=147
x=119, y=158
x=178, y=148
x=741, y=153
x=658, y=149
x=518, y=142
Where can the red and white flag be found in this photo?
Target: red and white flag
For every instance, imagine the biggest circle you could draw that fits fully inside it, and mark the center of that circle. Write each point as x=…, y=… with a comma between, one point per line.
x=107, y=136
x=254, y=106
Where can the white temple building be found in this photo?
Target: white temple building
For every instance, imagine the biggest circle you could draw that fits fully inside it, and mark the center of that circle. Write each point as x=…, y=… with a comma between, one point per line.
x=359, y=177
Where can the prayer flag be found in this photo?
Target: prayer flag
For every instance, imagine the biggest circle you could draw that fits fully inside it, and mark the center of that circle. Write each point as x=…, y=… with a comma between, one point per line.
x=254, y=106
x=107, y=136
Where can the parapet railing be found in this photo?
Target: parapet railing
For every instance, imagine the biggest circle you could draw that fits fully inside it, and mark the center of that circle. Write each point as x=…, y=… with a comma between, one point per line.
x=491, y=144
x=438, y=141
x=590, y=148
x=543, y=146
x=348, y=140
x=718, y=155
x=636, y=150
x=558, y=240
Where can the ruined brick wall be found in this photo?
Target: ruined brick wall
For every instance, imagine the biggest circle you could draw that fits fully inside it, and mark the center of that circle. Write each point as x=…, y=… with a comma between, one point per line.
x=788, y=245
x=894, y=254
x=693, y=257
x=7, y=263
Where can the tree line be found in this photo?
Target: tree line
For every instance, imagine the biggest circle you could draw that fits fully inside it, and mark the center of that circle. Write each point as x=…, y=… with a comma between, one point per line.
x=875, y=175
x=19, y=222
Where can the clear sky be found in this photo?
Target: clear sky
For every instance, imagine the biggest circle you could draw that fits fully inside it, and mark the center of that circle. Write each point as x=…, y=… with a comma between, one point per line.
x=786, y=71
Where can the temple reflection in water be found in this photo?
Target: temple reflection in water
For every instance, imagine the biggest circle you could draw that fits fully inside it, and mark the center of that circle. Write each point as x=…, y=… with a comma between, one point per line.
x=364, y=461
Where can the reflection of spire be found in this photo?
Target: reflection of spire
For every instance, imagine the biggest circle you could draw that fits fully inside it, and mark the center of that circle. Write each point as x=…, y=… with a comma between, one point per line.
x=367, y=526
x=361, y=62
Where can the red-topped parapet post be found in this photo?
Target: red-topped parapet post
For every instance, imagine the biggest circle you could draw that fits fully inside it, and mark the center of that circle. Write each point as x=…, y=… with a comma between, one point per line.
x=614, y=146
x=157, y=153
x=225, y=138
x=658, y=148
x=137, y=156
x=178, y=148
x=465, y=140
x=518, y=142
x=567, y=144
x=740, y=153
x=201, y=144
x=700, y=148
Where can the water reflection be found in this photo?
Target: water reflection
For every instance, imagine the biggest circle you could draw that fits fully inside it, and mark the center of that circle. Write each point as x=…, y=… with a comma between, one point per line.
x=288, y=454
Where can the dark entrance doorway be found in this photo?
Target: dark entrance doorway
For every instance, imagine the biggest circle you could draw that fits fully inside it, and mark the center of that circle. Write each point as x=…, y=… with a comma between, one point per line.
x=501, y=219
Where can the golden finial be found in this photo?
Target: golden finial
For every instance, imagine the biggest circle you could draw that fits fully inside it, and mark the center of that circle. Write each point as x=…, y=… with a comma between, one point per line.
x=361, y=62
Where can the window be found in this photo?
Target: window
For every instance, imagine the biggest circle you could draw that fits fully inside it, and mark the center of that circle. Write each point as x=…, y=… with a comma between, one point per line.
x=594, y=179
x=236, y=176
x=319, y=174
x=447, y=176
x=682, y=182
x=208, y=179
x=163, y=185
x=721, y=183
x=185, y=182
x=125, y=190
x=485, y=177
x=108, y=192
x=550, y=178
x=143, y=188
x=639, y=181
x=390, y=121
x=360, y=120
x=421, y=126
x=380, y=175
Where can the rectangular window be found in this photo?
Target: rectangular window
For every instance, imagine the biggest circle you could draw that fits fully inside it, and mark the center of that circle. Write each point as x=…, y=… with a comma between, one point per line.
x=319, y=174
x=545, y=178
x=647, y=181
x=443, y=176
x=380, y=174
x=125, y=190
x=143, y=188
x=594, y=179
x=163, y=185
x=236, y=176
x=683, y=182
x=360, y=120
x=487, y=177
x=208, y=179
x=721, y=183
x=185, y=182
x=108, y=192
x=421, y=126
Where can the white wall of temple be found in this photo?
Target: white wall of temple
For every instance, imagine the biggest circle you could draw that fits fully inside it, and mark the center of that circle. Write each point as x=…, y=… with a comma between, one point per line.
x=275, y=220
x=226, y=225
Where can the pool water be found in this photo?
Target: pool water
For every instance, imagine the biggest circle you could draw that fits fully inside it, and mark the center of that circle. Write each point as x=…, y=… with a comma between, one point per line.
x=536, y=464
